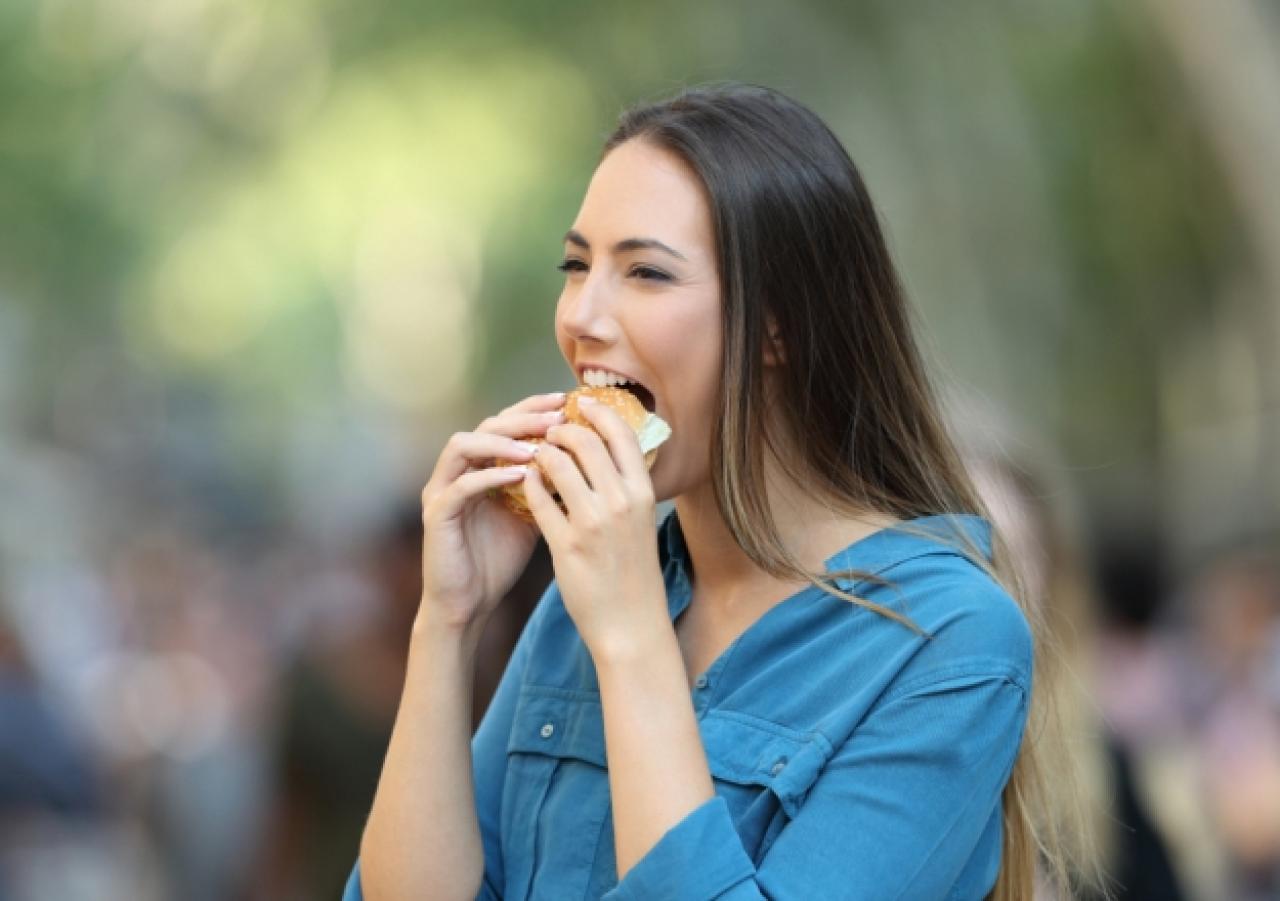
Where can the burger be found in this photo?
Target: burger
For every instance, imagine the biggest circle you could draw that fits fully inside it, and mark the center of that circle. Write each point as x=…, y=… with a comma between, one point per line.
x=651, y=431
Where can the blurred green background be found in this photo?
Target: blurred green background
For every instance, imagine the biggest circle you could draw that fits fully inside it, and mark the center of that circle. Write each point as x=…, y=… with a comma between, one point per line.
x=258, y=260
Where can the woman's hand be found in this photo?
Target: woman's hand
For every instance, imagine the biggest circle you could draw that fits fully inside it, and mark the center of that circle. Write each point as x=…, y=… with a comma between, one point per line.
x=474, y=548
x=605, y=552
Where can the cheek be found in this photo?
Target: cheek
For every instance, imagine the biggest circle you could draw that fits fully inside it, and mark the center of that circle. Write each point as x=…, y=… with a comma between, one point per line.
x=686, y=349
x=690, y=333
x=701, y=358
x=563, y=340
x=692, y=393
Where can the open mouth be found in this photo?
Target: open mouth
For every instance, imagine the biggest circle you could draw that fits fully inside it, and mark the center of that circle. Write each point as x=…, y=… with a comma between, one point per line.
x=643, y=394
x=599, y=378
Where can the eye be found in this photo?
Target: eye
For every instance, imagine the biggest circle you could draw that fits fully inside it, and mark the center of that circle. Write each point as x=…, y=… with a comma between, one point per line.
x=649, y=274
x=571, y=264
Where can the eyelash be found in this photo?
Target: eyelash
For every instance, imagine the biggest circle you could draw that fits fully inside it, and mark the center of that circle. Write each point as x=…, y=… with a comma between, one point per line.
x=647, y=273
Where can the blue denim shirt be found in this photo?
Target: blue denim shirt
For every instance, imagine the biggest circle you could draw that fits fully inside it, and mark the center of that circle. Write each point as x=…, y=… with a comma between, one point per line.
x=851, y=757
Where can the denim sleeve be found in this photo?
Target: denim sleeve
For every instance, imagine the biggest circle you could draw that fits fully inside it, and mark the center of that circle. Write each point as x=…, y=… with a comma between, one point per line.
x=489, y=765
x=895, y=814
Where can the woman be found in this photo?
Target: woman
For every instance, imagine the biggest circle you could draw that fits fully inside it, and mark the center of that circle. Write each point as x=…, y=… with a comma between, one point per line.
x=811, y=684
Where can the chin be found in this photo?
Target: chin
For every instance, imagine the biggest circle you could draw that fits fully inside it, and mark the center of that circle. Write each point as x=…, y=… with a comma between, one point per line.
x=665, y=487
x=671, y=489
x=660, y=493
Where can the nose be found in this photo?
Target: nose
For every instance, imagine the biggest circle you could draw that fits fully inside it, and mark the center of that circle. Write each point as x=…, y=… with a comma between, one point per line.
x=586, y=312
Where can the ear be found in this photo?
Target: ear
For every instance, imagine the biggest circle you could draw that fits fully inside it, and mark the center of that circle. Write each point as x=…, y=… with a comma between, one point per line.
x=774, y=353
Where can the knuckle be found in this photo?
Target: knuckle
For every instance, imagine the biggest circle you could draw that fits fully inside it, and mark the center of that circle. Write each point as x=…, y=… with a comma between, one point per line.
x=585, y=535
x=571, y=432
x=592, y=524
x=551, y=455
x=618, y=505
x=430, y=492
x=430, y=503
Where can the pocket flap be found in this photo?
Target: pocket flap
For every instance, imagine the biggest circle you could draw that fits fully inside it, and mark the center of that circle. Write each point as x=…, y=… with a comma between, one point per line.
x=559, y=723
x=748, y=751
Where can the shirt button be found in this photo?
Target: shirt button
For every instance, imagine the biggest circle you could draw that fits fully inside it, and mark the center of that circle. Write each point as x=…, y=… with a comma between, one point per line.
x=778, y=767
x=546, y=730
x=701, y=682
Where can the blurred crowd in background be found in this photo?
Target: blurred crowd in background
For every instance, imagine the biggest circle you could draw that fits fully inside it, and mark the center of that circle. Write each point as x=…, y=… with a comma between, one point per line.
x=258, y=261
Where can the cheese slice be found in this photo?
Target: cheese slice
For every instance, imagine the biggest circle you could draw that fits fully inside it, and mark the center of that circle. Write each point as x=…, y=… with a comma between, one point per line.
x=652, y=433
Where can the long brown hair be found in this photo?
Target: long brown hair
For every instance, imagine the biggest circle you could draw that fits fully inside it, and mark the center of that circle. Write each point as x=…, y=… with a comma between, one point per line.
x=803, y=264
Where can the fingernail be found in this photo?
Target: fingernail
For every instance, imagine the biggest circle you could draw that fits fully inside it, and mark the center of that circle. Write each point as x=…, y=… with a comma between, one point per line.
x=555, y=416
x=527, y=447
x=587, y=402
x=515, y=472
x=557, y=395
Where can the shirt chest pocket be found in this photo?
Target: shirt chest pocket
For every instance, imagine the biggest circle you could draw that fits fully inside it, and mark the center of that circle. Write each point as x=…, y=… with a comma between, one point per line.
x=763, y=770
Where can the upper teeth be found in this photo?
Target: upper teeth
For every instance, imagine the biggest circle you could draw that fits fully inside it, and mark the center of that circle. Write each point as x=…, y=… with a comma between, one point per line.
x=600, y=378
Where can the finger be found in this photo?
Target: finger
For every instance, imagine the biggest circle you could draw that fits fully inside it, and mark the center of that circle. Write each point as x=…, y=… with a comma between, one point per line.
x=521, y=425
x=546, y=512
x=471, y=450
x=538, y=402
x=591, y=455
x=473, y=484
x=618, y=437
x=566, y=478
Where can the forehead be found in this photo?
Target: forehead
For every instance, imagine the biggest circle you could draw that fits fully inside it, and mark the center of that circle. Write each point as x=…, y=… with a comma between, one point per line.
x=639, y=190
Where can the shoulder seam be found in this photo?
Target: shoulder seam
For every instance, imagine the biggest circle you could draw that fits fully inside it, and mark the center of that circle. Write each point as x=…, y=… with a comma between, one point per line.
x=978, y=668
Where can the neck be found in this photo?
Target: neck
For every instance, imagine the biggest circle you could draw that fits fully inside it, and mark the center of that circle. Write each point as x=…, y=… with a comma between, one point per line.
x=724, y=575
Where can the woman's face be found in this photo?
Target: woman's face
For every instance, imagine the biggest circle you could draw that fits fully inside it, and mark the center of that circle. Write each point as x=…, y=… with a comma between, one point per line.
x=641, y=298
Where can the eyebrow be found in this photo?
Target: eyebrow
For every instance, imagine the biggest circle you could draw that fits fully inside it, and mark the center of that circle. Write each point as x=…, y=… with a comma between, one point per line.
x=628, y=244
